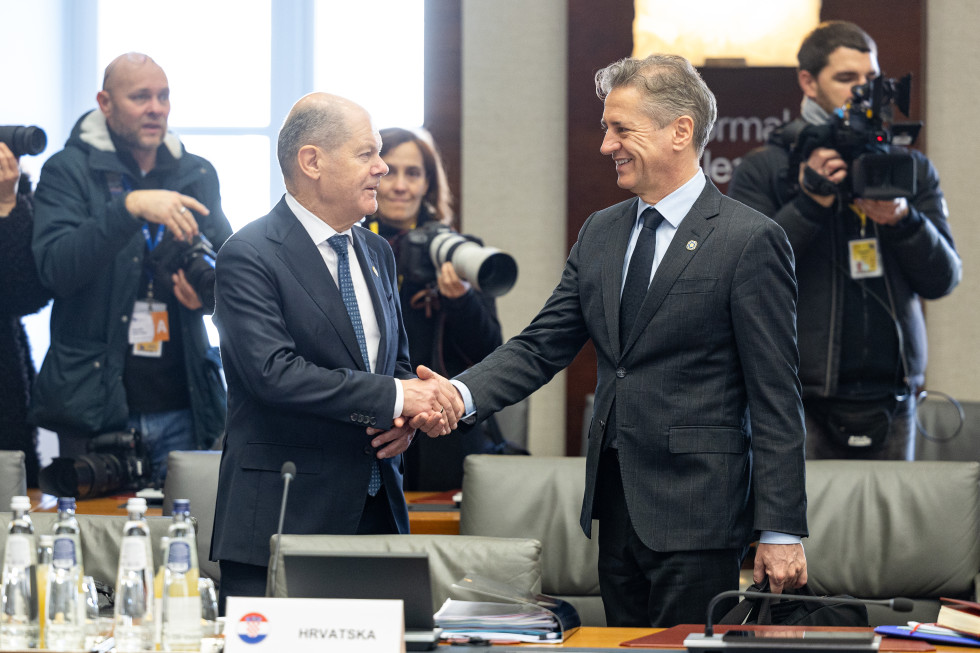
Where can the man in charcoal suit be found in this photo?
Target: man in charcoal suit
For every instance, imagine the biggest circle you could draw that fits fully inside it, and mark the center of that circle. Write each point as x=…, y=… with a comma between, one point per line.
x=696, y=442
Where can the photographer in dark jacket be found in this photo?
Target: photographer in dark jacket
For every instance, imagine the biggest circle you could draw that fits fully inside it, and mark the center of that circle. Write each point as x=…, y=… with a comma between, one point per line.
x=21, y=293
x=862, y=265
x=450, y=325
x=128, y=343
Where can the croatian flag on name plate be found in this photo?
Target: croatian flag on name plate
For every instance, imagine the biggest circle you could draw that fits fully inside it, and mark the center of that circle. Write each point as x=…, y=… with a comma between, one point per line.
x=260, y=625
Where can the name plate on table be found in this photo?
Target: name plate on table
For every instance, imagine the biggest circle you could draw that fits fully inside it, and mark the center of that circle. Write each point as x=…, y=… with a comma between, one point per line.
x=256, y=625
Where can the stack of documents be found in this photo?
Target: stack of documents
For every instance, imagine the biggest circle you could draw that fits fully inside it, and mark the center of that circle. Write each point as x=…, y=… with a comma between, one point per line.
x=481, y=608
x=496, y=621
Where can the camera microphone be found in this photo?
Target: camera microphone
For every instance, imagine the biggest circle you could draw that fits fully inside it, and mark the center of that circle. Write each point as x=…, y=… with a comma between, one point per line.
x=288, y=473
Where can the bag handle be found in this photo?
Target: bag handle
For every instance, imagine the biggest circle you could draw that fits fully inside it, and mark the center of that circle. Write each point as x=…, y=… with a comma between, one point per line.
x=741, y=612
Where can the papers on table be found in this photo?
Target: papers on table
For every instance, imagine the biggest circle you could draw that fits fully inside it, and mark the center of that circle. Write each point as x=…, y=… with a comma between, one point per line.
x=481, y=608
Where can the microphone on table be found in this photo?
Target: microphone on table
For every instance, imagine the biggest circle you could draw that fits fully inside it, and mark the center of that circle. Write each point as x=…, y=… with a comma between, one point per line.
x=844, y=641
x=897, y=604
x=288, y=473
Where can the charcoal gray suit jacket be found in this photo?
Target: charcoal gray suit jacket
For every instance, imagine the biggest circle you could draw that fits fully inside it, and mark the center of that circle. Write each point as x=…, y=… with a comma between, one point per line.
x=298, y=389
x=705, y=391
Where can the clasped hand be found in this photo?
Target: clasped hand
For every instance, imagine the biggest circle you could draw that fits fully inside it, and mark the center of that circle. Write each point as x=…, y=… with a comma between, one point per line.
x=431, y=403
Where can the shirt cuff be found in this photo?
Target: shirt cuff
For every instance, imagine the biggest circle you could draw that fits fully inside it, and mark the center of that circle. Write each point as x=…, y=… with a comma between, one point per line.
x=469, y=408
x=399, y=398
x=772, y=537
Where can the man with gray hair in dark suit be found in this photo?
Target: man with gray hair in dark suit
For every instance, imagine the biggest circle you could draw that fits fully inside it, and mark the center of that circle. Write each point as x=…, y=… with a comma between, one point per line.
x=316, y=354
x=696, y=443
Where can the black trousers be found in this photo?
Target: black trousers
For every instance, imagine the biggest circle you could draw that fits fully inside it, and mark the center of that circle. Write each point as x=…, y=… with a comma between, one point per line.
x=643, y=588
x=240, y=579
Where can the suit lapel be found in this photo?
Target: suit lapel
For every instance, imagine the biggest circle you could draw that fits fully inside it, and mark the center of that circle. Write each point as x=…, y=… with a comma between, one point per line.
x=688, y=240
x=301, y=256
x=612, y=270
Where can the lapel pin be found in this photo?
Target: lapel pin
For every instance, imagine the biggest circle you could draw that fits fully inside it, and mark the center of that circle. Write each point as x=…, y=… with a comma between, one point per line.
x=375, y=270
x=692, y=245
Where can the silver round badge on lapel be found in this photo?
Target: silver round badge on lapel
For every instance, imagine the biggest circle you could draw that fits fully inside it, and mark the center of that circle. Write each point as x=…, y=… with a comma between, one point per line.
x=692, y=245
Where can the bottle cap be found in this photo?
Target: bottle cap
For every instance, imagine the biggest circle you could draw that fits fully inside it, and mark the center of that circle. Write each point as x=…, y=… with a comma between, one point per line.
x=182, y=505
x=136, y=504
x=66, y=503
x=20, y=503
x=46, y=540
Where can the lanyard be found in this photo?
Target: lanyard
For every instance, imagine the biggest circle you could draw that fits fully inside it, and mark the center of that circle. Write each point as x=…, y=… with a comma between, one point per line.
x=862, y=216
x=151, y=243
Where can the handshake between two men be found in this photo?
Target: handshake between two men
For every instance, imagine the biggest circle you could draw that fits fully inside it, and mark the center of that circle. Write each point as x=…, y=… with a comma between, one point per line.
x=431, y=403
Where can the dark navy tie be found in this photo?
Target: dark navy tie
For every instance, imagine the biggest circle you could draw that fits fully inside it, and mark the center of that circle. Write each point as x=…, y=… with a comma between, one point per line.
x=638, y=273
x=339, y=244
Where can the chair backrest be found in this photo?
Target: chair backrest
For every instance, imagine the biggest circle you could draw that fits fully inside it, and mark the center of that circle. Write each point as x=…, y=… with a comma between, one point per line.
x=881, y=529
x=539, y=497
x=513, y=561
x=942, y=437
x=13, y=477
x=512, y=422
x=101, y=536
x=193, y=475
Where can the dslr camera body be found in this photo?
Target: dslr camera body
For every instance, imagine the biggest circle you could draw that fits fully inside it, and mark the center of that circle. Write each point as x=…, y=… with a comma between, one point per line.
x=196, y=257
x=861, y=132
x=115, y=462
x=424, y=250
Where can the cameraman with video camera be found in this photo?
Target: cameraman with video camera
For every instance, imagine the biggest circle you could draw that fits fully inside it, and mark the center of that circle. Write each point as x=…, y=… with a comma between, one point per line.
x=21, y=293
x=129, y=348
x=870, y=240
x=450, y=324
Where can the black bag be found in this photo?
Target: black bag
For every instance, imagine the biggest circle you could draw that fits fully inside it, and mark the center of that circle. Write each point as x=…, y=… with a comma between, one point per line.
x=789, y=612
x=844, y=419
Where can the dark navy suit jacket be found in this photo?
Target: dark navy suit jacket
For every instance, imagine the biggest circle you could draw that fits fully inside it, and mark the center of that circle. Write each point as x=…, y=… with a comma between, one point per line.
x=297, y=387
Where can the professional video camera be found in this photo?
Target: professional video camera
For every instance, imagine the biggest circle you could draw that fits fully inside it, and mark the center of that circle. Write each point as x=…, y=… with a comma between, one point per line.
x=195, y=257
x=115, y=462
x=860, y=132
x=23, y=140
x=425, y=249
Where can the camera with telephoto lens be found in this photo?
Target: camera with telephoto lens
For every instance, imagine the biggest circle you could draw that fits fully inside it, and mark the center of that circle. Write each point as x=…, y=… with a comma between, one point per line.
x=23, y=140
x=424, y=250
x=115, y=462
x=195, y=257
x=861, y=132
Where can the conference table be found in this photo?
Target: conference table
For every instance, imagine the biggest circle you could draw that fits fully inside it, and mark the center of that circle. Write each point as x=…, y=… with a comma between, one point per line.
x=429, y=513
x=590, y=638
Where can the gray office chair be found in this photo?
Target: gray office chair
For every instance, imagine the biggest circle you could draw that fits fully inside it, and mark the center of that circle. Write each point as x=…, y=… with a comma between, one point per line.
x=13, y=477
x=101, y=536
x=881, y=529
x=193, y=475
x=945, y=433
x=539, y=497
x=512, y=561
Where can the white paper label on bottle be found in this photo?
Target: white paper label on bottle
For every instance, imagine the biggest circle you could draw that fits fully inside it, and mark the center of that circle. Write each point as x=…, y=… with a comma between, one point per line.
x=18, y=552
x=132, y=554
x=183, y=612
x=63, y=553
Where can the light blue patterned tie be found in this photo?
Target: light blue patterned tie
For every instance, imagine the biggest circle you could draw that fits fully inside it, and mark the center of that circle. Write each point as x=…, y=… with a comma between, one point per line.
x=339, y=244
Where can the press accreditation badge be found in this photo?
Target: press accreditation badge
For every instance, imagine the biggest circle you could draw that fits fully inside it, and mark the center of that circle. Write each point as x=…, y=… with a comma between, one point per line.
x=149, y=328
x=864, y=257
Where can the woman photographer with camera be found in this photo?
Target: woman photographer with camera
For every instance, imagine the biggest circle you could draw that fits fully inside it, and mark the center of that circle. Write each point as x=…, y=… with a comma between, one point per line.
x=450, y=325
x=21, y=294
